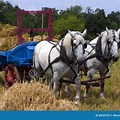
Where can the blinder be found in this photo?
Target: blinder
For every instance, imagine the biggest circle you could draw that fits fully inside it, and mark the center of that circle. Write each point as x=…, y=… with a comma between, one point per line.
x=110, y=43
x=85, y=45
x=74, y=46
x=118, y=44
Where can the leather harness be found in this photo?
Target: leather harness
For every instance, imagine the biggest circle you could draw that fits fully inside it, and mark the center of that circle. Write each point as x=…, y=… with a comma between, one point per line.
x=63, y=57
x=98, y=52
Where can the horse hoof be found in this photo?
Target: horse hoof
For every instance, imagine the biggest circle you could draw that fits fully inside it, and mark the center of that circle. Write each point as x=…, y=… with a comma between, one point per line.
x=68, y=92
x=77, y=102
x=103, y=98
x=85, y=98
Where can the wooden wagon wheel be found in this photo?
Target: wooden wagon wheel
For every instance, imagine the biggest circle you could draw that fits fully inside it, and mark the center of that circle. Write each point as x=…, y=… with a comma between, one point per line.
x=11, y=75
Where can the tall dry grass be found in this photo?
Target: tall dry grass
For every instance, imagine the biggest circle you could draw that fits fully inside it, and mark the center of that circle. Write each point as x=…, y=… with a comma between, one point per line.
x=36, y=96
x=32, y=96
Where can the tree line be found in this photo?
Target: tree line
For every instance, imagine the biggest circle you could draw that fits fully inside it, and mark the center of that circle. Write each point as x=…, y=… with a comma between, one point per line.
x=72, y=18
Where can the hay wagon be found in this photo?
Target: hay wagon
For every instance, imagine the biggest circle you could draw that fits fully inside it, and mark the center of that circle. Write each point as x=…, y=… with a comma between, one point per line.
x=17, y=63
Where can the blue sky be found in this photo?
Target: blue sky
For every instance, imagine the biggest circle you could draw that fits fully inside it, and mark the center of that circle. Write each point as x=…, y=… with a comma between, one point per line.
x=107, y=5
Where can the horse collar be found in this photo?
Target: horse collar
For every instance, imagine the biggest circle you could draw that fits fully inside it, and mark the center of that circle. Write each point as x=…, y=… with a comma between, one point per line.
x=63, y=54
x=98, y=48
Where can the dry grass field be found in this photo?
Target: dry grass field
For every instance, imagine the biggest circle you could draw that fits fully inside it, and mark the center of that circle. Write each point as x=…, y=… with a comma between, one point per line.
x=36, y=96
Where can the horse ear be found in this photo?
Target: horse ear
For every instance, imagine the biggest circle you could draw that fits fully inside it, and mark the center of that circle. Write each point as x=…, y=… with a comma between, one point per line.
x=107, y=30
x=71, y=33
x=84, y=33
x=118, y=31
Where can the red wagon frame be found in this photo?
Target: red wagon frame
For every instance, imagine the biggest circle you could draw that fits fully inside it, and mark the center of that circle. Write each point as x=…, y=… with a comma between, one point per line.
x=21, y=30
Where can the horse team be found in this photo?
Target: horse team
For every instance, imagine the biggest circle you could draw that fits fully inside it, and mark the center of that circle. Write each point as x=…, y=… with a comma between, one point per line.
x=72, y=54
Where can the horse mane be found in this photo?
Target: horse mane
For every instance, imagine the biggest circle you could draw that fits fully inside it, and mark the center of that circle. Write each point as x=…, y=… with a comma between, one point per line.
x=67, y=41
x=103, y=36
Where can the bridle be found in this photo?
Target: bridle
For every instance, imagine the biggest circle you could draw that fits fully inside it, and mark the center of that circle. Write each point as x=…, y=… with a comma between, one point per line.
x=103, y=57
x=74, y=46
x=109, y=44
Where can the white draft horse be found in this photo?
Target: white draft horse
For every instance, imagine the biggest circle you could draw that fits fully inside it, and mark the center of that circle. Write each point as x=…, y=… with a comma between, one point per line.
x=99, y=53
x=59, y=60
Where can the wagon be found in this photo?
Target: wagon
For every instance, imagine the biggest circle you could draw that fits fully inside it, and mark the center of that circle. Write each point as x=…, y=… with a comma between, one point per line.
x=17, y=63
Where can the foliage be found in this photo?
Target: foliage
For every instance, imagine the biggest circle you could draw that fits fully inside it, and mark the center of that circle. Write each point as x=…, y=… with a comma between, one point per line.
x=72, y=18
x=114, y=20
x=95, y=21
x=8, y=13
x=62, y=25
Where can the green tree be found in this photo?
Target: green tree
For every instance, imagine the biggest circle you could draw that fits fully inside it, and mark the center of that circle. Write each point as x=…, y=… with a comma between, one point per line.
x=95, y=22
x=70, y=19
x=62, y=25
x=8, y=13
x=113, y=20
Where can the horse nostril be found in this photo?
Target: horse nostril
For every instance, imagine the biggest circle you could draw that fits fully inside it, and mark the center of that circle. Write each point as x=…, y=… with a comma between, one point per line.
x=115, y=58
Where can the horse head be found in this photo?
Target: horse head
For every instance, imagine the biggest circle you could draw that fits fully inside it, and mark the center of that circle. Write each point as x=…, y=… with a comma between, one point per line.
x=119, y=37
x=74, y=44
x=112, y=43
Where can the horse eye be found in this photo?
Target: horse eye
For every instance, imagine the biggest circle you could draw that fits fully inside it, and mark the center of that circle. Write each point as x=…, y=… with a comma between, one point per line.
x=85, y=45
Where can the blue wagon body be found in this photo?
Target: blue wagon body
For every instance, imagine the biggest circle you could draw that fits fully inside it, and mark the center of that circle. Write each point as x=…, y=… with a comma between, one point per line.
x=19, y=56
x=3, y=59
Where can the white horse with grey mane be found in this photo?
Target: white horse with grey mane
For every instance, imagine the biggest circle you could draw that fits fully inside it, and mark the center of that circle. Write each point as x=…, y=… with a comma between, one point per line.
x=59, y=60
x=99, y=54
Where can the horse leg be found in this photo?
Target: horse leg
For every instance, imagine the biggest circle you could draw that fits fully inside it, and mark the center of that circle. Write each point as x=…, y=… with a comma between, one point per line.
x=67, y=89
x=85, y=95
x=50, y=83
x=60, y=87
x=56, y=85
x=90, y=75
x=38, y=71
x=77, y=97
x=102, y=84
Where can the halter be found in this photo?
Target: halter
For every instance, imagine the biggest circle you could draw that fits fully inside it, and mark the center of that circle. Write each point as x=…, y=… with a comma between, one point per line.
x=75, y=46
x=111, y=43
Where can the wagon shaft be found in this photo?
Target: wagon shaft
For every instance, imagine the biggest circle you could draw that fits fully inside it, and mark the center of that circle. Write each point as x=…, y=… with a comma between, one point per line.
x=96, y=79
x=92, y=82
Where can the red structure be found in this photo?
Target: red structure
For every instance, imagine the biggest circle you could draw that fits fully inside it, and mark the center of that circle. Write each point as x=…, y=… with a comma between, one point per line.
x=23, y=30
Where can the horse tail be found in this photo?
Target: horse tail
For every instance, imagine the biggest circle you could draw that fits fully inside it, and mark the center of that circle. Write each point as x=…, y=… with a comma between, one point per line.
x=36, y=65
